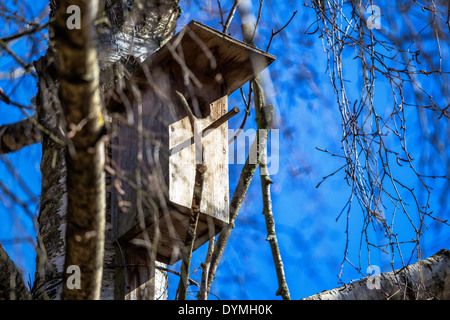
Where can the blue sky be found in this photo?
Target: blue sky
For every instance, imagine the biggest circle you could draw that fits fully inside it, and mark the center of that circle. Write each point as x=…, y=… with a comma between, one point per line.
x=311, y=238
x=17, y=231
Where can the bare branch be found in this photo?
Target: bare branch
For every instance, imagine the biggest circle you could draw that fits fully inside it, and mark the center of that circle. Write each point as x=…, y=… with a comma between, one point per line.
x=203, y=292
x=15, y=136
x=221, y=14
x=274, y=33
x=259, y=144
x=28, y=67
x=231, y=16
x=264, y=119
x=33, y=29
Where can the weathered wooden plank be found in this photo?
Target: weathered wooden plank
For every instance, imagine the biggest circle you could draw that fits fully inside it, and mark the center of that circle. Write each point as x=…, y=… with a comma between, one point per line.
x=135, y=275
x=215, y=186
x=214, y=200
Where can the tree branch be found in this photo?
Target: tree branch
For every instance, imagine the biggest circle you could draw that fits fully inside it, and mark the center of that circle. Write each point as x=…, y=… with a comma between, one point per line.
x=252, y=162
x=230, y=16
x=28, y=67
x=264, y=120
x=34, y=28
x=283, y=289
x=80, y=99
x=15, y=136
x=203, y=292
x=274, y=33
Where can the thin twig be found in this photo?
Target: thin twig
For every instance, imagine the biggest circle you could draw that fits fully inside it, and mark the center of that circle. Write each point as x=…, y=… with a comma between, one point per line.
x=203, y=292
x=277, y=32
x=231, y=16
x=33, y=29
x=247, y=112
x=28, y=67
x=221, y=14
x=257, y=20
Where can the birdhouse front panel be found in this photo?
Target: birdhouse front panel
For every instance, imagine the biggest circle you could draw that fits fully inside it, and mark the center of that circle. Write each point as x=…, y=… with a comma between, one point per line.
x=182, y=162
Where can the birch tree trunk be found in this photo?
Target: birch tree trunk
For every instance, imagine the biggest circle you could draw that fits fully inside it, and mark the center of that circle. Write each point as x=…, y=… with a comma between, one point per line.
x=84, y=132
x=426, y=279
x=53, y=200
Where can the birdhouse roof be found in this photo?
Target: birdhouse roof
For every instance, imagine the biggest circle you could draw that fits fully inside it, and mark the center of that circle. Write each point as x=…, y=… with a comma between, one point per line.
x=205, y=54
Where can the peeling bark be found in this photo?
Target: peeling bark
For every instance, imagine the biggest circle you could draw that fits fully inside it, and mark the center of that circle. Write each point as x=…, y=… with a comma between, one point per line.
x=51, y=221
x=138, y=28
x=426, y=279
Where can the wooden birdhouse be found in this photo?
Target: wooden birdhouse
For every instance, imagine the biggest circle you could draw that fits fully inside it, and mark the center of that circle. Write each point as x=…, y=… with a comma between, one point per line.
x=153, y=151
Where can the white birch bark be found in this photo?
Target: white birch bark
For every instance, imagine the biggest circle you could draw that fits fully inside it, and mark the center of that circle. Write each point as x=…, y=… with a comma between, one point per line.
x=426, y=279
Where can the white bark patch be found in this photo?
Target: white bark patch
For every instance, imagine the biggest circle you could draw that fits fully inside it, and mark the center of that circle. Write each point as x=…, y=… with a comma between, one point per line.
x=426, y=279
